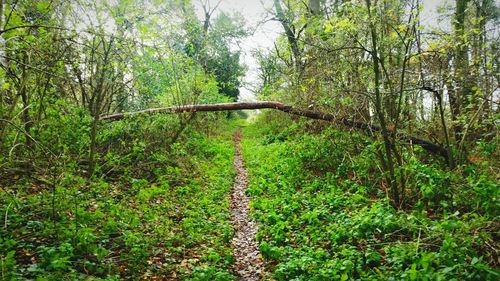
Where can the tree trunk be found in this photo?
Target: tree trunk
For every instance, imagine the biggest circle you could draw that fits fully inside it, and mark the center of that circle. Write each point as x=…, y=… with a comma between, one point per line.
x=290, y=35
x=387, y=164
x=318, y=115
x=24, y=98
x=459, y=98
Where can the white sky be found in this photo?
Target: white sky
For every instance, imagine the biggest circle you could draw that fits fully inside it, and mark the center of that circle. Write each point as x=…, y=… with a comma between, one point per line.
x=266, y=32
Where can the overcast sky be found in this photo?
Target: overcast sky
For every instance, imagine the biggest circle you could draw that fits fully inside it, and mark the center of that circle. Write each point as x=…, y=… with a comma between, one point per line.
x=265, y=32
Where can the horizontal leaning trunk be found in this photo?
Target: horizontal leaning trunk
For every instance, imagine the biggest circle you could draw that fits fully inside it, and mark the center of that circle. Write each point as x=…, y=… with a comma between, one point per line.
x=428, y=146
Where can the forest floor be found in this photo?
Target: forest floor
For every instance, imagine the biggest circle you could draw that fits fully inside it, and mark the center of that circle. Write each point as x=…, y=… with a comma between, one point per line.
x=248, y=263
x=269, y=199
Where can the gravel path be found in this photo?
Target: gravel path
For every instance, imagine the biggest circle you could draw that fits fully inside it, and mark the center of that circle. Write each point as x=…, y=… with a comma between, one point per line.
x=248, y=263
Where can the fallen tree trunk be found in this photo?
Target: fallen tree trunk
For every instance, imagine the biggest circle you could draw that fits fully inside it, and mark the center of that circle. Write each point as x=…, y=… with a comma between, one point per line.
x=429, y=146
x=201, y=107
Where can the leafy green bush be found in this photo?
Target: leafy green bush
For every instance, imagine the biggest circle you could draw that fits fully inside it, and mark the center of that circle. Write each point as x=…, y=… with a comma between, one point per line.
x=323, y=212
x=154, y=209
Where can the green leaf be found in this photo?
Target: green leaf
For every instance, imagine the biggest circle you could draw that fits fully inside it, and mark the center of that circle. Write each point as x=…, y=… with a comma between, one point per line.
x=328, y=27
x=43, y=6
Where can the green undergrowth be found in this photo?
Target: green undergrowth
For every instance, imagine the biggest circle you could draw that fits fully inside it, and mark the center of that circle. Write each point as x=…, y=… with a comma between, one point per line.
x=323, y=211
x=152, y=211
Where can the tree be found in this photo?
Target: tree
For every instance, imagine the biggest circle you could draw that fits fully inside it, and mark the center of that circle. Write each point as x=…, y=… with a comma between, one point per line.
x=211, y=42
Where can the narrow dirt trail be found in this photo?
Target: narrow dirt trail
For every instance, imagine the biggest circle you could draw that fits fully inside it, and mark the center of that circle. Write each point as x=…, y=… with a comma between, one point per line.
x=248, y=264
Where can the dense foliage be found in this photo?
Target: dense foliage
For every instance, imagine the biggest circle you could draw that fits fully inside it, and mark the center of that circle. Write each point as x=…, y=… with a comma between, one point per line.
x=377, y=62
x=144, y=219
x=325, y=214
x=141, y=198
x=147, y=197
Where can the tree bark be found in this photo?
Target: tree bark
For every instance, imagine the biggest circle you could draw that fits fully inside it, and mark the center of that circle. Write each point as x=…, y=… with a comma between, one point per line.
x=290, y=34
x=24, y=97
x=459, y=97
x=387, y=164
x=318, y=115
